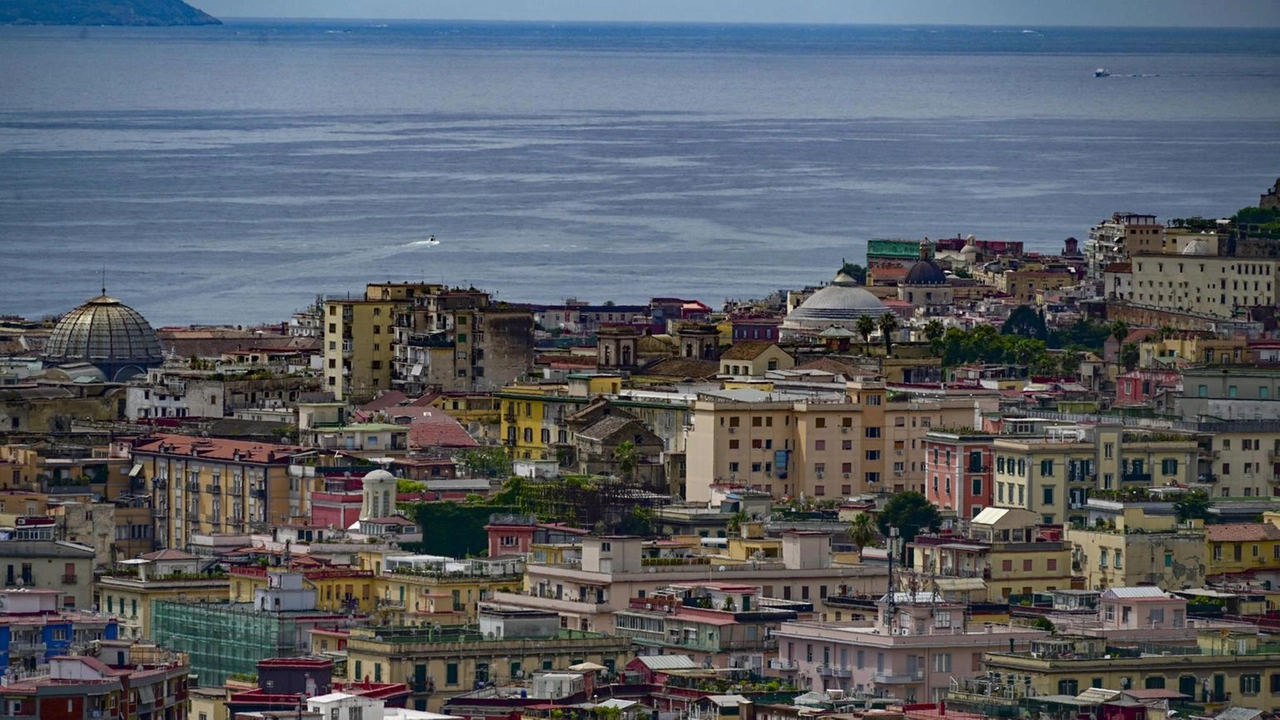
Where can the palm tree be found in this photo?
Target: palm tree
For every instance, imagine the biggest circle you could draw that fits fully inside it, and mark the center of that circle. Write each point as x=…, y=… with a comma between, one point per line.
x=1129, y=356
x=627, y=457
x=866, y=325
x=862, y=531
x=1119, y=330
x=933, y=332
x=888, y=324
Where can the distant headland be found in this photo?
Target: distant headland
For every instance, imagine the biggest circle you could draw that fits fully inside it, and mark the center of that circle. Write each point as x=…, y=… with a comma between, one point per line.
x=150, y=13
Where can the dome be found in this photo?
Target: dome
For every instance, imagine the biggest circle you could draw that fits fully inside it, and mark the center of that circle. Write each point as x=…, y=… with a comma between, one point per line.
x=107, y=334
x=925, y=272
x=836, y=304
x=379, y=475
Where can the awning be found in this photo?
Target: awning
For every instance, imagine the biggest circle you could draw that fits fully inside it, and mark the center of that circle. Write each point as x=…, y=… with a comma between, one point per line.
x=416, y=371
x=958, y=584
x=146, y=694
x=136, y=469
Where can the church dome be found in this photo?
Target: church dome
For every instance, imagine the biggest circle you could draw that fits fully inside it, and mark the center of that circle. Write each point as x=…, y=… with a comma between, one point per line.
x=379, y=475
x=108, y=334
x=836, y=304
x=925, y=272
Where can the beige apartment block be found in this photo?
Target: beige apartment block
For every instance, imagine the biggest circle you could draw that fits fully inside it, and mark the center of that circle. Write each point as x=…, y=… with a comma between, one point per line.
x=1205, y=284
x=1131, y=544
x=787, y=444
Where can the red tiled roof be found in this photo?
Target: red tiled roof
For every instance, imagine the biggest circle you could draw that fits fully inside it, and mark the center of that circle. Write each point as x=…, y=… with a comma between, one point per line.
x=746, y=350
x=1242, y=532
x=430, y=428
x=387, y=400
x=218, y=448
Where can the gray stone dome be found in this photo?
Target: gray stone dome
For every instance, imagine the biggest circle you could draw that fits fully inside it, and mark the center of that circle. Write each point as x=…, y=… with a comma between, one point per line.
x=107, y=334
x=836, y=304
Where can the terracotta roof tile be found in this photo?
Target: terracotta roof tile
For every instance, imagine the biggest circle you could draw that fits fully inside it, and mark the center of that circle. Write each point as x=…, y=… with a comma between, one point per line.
x=1242, y=532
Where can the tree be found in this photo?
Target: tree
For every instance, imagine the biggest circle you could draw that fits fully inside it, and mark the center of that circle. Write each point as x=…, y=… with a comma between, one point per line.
x=888, y=325
x=934, y=330
x=1119, y=330
x=1070, y=362
x=627, y=457
x=1129, y=356
x=733, y=528
x=866, y=325
x=910, y=512
x=1193, y=505
x=855, y=271
x=485, y=462
x=1025, y=321
x=862, y=531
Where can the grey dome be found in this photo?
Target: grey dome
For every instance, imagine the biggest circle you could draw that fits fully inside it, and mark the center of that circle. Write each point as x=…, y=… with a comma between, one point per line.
x=379, y=475
x=107, y=334
x=835, y=304
x=925, y=272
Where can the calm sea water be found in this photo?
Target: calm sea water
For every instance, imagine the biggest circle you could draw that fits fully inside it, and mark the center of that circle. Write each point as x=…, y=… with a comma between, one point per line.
x=231, y=173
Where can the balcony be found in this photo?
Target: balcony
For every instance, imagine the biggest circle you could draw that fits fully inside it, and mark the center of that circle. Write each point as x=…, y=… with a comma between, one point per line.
x=71, y=579
x=214, y=489
x=27, y=648
x=835, y=672
x=1138, y=477
x=783, y=664
x=898, y=678
x=193, y=486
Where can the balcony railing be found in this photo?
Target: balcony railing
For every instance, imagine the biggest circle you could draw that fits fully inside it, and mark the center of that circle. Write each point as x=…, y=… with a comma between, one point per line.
x=71, y=579
x=1136, y=477
x=783, y=664
x=899, y=678
x=836, y=672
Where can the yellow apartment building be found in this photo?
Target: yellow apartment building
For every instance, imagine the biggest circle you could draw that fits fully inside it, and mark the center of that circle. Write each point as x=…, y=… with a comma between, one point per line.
x=128, y=590
x=1241, y=549
x=1127, y=546
x=534, y=417
x=358, y=352
x=213, y=485
x=843, y=445
x=1053, y=474
x=338, y=589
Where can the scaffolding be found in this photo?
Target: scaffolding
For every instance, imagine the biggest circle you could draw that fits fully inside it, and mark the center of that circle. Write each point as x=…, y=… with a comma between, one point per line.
x=224, y=639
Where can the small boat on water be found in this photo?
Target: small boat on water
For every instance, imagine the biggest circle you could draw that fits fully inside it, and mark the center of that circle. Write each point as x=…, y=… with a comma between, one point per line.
x=432, y=241
x=1102, y=72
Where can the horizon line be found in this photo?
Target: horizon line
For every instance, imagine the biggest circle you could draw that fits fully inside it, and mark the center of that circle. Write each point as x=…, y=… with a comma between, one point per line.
x=756, y=23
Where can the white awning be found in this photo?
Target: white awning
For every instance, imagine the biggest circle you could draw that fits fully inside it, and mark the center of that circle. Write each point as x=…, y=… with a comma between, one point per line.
x=417, y=370
x=136, y=469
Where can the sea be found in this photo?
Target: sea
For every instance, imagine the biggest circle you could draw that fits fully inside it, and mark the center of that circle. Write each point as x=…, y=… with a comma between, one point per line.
x=231, y=174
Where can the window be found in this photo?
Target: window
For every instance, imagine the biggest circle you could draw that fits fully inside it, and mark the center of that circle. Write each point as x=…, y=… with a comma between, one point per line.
x=977, y=488
x=872, y=432
x=1250, y=684
x=846, y=444
x=733, y=444
x=733, y=467
x=1046, y=468
x=1007, y=566
x=820, y=422
x=819, y=445
x=819, y=491
x=942, y=662
x=1027, y=564
x=1169, y=466
x=1048, y=495
x=451, y=674
x=1051, y=564
x=1119, y=560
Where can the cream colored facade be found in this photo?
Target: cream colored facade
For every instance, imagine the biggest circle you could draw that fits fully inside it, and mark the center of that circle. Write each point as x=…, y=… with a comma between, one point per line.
x=833, y=448
x=1209, y=284
x=1242, y=463
x=1134, y=548
x=129, y=597
x=1053, y=475
x=208, y=485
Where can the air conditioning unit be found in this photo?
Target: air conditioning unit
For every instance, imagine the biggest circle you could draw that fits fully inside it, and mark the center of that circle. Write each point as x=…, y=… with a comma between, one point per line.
x=847, y=476
x=819, y=475
x=844, y=429
x=733, y=430
x=768, y=473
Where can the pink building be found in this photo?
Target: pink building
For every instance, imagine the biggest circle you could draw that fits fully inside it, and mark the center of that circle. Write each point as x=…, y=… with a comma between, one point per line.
x=917, y=645
x=958, y=471
x=339, y=510
x=517, y=534
x=1139, y=387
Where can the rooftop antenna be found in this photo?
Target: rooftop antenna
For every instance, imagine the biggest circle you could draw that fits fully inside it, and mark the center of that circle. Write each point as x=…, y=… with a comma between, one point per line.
x=892, y=611
x=104, y=279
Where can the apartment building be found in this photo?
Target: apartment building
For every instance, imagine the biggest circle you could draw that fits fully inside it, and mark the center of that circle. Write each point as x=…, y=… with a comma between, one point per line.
x=587, y=591
x=1220, y=286
x=1126, y=544
x=127, y=591
x=1004, y=553
x=358, y=352
x=958, y=468
x=821, y=445
x=1053, y=474
x=918, y=645
x=1115, y=239
x=442, y=663
x=213, y=485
